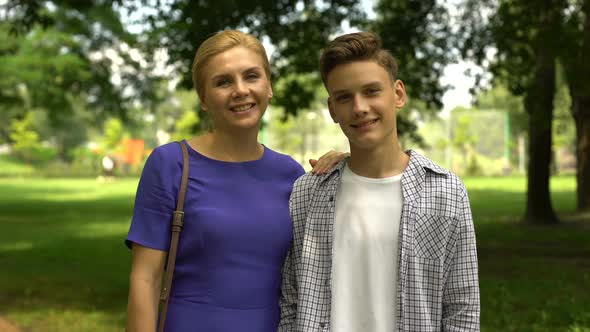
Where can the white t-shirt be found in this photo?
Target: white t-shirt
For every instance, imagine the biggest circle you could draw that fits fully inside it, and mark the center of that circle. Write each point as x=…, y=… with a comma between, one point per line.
x=364, y=256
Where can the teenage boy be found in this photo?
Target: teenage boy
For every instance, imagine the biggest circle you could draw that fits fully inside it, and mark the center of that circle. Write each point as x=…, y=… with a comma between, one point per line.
x=385, y=241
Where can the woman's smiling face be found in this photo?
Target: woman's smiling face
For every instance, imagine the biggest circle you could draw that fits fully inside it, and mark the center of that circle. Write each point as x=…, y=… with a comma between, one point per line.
x=236, y=90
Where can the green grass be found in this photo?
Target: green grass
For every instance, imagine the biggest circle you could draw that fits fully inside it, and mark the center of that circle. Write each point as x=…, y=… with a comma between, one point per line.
x=532, y=278
x=62, y=253
x=64, y=266
x=10, y=166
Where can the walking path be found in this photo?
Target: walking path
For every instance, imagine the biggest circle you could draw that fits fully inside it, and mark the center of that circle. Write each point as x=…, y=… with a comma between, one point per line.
x=6, y=326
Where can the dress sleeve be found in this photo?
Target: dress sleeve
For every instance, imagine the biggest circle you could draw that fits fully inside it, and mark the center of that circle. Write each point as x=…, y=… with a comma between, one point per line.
x=154, y=203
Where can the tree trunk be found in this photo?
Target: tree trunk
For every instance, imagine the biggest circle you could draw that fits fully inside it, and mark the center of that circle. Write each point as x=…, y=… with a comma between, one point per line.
x=539, y=106
x=581, y=112
x=578, y=72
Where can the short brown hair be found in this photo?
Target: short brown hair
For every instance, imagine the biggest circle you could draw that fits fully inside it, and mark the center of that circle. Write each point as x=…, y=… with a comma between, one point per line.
x=358, y=46
x=221, y=42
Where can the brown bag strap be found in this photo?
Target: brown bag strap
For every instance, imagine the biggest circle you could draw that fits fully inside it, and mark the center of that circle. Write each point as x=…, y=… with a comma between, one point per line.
x=177, y=222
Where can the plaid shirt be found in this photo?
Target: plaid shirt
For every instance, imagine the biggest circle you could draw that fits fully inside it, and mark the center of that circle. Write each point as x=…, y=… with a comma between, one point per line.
x=437, y=287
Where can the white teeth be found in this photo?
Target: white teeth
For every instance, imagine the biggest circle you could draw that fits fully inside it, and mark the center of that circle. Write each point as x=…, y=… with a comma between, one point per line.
x=365, y=123
x=242, y=108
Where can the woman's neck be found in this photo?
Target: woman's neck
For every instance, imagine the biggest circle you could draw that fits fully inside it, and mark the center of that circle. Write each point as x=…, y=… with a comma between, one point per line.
x=234, y=148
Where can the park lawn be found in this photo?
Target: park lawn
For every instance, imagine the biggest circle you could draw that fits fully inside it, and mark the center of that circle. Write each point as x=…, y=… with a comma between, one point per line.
x=64, y=266
x=532, y=278
x=10, y=166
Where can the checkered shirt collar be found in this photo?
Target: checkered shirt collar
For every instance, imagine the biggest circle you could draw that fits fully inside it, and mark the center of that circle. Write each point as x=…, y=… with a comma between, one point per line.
x=414, y=173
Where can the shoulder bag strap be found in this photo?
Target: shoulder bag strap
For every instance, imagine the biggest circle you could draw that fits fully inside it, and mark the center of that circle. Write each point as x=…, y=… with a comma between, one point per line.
x=177, y=222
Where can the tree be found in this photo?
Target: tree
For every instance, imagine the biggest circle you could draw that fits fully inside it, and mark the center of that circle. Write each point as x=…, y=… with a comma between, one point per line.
x=109, y=75
x=526, y=35
x=418, y=34
x=42, y=71
x=184, y=127
x=25, y=138
x=575, y=57
x=297, y=29
x=114, y=133
x=564, y=128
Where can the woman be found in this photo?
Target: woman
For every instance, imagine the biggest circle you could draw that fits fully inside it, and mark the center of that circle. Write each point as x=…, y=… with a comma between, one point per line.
x=237, y=229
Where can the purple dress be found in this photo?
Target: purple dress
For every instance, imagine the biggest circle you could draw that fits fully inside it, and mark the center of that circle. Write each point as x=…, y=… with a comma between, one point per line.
x=237, y=232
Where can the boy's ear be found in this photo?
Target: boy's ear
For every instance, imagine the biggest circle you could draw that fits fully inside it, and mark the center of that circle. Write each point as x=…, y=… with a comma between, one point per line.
x=270, y=92
x=400, y=92
x=331, y=109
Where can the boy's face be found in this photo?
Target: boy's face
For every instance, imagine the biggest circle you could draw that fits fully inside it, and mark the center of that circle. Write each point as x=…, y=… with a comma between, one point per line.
x=363, y=100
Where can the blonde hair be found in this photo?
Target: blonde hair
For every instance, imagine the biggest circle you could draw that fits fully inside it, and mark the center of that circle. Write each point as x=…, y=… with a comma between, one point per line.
x=221, y=42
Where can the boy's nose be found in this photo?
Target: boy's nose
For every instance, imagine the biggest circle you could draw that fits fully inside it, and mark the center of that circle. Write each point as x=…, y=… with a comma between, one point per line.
x=359, y=105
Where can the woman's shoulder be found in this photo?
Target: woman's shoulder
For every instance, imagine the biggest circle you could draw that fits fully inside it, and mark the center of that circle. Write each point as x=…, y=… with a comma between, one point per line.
x=278, y=157
x=166, y=158
x=168, y=150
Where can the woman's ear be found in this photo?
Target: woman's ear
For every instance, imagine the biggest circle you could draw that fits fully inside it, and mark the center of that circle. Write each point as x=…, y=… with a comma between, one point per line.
x=270, y=92
x=202, y=102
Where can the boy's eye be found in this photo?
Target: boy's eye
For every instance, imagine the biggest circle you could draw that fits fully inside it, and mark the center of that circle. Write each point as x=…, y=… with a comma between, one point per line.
x=372, y=91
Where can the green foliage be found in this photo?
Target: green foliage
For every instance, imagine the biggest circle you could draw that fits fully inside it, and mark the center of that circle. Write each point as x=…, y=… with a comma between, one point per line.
x=464, y=137
x=185, y=126
x=564, y=128
x=26, y=140
x=80, y=50
x=575, y=49
x=296, y=91
x=85, y=161
x=113, y=134
x=46, y=64
x=498, y=98
x=177, y=114
x=297, y=29
x=473, y=166
x=40, y=71
x=418, y=34
x=44, y=74
x=283, y=132
x=517, y=30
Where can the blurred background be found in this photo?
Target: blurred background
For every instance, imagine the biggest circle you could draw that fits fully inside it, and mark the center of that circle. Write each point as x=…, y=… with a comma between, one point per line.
x=499, y=93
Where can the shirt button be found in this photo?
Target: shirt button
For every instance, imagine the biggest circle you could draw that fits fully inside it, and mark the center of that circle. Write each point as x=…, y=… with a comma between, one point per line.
x=331, y=198
x=322, y=324
x=327, y=282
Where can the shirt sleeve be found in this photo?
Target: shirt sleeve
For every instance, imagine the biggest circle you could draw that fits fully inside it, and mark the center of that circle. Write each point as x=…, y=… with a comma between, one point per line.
x=288, y=301
x=154, y=203
x=461, y=303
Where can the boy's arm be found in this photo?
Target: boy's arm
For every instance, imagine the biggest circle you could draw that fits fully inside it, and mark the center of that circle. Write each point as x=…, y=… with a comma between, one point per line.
x=461, y=308
x=288, y=301
x=298, y=203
